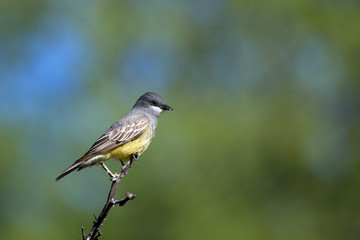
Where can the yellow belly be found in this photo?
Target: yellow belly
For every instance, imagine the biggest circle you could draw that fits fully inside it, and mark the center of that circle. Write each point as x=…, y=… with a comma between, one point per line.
x=138, y=146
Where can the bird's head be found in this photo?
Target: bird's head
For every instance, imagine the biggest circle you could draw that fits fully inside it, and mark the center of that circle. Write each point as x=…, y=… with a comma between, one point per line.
x=153, y=103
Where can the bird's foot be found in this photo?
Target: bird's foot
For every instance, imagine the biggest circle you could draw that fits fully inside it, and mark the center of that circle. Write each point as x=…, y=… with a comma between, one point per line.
x=115, y=177
x=135, y=156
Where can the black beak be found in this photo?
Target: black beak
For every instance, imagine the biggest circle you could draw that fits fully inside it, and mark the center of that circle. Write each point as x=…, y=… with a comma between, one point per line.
x=166, y=107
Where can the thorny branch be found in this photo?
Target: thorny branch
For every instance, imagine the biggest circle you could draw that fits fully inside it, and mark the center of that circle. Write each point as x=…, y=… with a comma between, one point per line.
x=115, y=178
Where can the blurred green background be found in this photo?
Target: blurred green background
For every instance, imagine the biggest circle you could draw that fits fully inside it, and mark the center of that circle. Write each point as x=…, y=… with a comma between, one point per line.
x=263, y=142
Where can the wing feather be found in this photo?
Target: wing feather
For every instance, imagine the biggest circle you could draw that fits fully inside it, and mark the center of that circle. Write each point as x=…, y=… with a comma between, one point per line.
x=121, y=134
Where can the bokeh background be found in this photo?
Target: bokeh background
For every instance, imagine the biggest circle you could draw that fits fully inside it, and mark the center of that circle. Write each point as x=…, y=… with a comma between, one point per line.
x=263, y=142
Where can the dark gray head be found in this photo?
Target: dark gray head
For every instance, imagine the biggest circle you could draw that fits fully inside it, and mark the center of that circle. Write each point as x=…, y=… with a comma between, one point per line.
x=152, y=103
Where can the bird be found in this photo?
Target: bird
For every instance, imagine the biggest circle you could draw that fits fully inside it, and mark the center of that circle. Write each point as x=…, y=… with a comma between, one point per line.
x=127, y=138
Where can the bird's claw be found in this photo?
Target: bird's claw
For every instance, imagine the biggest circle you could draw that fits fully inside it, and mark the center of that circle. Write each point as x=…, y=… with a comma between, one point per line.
x=135, y=156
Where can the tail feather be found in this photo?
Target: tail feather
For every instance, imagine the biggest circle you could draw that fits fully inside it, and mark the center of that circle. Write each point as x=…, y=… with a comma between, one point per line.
x=73, y=167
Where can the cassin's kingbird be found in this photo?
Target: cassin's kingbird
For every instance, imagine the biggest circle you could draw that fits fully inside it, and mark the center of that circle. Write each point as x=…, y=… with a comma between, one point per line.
x=128, y=137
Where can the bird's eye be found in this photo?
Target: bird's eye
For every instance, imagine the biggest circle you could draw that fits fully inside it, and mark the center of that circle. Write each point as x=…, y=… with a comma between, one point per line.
x=153, y=103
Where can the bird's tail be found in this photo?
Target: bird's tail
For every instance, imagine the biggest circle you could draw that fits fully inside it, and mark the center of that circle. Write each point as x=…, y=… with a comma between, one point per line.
x=73, y=167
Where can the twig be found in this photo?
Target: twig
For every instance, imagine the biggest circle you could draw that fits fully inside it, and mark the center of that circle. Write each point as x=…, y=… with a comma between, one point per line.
x=129, y=196
x=115, y=178
x=83, y=233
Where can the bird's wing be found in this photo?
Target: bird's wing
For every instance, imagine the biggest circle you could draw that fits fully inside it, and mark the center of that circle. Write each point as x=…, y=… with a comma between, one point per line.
x=119, y=135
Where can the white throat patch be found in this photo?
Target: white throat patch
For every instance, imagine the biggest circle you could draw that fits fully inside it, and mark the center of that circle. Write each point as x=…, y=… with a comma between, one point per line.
x=157, y=109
